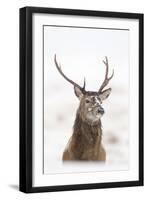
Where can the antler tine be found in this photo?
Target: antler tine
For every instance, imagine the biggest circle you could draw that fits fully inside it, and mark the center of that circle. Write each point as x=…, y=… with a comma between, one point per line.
x=107, y=66
x=66, y=78
x=84, y=85
x=107, y=79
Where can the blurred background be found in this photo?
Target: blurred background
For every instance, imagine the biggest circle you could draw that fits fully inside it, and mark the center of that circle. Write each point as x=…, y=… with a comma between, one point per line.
x=80, y=51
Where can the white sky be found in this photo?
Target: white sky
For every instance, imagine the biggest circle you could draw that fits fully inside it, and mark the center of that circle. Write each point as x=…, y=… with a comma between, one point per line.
x=81, y=51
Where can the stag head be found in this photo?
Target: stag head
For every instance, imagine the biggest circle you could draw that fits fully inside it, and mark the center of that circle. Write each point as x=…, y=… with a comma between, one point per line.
x=90, y=107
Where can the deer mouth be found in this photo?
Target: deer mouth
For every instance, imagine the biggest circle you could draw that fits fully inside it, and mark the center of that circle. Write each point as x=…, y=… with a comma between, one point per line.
x=99, y=112
x=96, y=111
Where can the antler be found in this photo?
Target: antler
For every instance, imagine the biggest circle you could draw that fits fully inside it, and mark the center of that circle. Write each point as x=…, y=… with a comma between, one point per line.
x=66, y=78
x=107, y=79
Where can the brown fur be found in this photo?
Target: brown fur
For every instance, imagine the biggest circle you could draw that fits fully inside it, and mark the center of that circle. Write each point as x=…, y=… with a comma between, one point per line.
x=85, y=143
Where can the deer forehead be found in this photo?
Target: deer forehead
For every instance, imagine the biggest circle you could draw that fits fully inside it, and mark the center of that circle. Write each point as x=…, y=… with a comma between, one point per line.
x=92, y=98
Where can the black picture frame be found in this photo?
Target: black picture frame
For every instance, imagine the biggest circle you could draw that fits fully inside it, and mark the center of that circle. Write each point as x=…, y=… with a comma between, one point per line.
x=26, y=98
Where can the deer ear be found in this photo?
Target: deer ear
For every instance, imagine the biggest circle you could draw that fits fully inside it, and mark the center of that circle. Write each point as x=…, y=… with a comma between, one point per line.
x=105, y=94
x=78, y=92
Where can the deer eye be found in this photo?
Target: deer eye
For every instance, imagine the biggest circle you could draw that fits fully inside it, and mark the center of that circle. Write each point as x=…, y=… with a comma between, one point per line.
x=87, y=101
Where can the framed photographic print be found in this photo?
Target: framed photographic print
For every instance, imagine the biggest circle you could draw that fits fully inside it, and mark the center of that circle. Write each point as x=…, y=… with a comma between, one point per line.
x=81, y=99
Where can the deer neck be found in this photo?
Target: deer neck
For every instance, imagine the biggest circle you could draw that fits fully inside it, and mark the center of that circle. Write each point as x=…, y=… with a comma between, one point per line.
x=85, y=132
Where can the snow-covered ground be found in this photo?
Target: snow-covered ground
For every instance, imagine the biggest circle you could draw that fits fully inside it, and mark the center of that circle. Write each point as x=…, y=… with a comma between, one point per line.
x=58, y=124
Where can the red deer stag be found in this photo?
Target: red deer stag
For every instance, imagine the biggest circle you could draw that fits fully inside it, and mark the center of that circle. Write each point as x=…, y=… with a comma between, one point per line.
x=86, y=140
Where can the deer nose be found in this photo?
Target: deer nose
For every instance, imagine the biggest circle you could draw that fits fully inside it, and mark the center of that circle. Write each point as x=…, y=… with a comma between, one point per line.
x=101, y=110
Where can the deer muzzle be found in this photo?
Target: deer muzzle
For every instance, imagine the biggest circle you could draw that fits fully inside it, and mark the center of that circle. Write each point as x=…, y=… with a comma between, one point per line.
x=101, y=110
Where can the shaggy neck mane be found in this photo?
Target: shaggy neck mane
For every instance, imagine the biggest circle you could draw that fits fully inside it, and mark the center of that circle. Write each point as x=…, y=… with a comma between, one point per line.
x=84, y=135
x=85, y=129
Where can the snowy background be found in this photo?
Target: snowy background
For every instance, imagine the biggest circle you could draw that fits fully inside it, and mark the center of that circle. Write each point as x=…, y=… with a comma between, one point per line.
x=80, y=52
